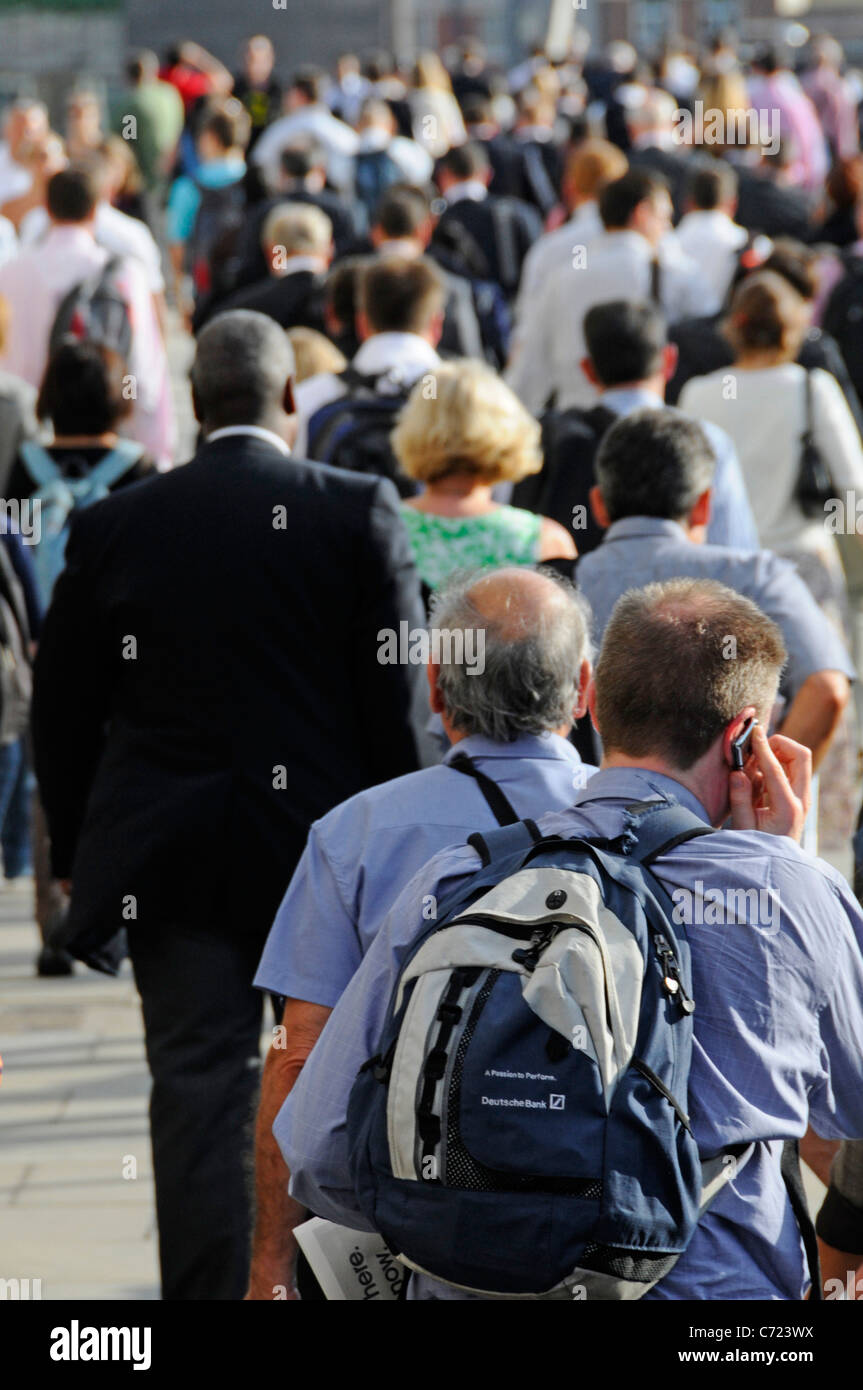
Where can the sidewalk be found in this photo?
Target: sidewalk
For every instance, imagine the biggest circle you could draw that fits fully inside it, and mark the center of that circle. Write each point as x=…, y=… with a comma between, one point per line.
x=76, y=1196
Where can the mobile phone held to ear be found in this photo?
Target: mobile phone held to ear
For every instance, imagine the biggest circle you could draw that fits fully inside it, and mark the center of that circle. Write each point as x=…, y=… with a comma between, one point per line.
x=740, y=745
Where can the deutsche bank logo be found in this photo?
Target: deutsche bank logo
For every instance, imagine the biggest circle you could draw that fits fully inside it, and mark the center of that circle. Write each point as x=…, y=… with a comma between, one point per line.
x=556, y=1102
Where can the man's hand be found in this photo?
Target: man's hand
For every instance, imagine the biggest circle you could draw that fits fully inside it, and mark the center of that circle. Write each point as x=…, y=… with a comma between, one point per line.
x=773, y=792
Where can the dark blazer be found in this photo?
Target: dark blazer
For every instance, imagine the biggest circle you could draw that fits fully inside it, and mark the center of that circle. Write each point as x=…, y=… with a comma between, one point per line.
x=773, y=209
x=491, y=238
x=294, y=301
x=208, y=684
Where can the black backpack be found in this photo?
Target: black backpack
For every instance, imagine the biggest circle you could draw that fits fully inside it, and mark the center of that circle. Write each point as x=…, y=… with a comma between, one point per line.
x=570, y=442
x=212, y=253
x=843, y=318
x=96, y=311
x=354, y=431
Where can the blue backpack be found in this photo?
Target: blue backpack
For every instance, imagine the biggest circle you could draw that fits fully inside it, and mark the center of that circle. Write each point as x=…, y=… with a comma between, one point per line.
x=59, y=497
x=522, y=1130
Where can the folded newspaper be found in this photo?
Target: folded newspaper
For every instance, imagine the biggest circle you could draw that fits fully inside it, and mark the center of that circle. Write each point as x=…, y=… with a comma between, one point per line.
x=350, y=1265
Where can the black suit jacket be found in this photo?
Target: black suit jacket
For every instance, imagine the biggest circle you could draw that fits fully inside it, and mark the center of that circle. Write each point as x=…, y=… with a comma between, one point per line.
x=490, y=238
x=294, y=301
x=207, y=685
x=772, y=208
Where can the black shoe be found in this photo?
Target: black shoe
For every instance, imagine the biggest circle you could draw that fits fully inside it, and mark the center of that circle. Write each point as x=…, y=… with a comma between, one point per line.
x=52, y=961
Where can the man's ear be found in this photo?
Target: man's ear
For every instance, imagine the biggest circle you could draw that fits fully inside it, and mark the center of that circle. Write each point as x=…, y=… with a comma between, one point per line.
x=733, y=730
x=435, y=328
x=591, y=705
x=700, y=514
x=589, y=371
x=289, y=404
x=585, y=676
x=670, y=356
x=598, y=508
x=364, y=328
x=435, y=697
x=376, y=235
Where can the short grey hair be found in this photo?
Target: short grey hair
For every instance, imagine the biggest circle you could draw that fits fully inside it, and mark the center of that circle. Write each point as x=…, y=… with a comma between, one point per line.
x=242, y=364
x=537, y=634
x=301, y=228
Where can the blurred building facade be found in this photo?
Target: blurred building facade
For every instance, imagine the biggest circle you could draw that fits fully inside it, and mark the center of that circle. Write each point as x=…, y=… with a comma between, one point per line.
x=47, y=45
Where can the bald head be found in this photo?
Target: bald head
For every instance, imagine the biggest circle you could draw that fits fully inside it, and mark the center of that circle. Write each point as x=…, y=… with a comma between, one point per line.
x=536, y=646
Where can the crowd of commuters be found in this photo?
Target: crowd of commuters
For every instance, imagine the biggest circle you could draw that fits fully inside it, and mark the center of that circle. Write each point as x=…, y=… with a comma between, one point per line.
x=567, y=359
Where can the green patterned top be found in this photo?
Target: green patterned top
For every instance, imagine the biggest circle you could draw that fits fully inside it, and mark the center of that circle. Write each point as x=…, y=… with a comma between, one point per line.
x=441, y=544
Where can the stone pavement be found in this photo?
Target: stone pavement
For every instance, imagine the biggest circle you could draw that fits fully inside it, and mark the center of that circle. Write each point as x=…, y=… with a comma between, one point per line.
x=76, y=1198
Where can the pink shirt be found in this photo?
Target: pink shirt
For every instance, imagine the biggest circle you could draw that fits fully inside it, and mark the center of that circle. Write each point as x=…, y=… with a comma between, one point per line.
x=33, y=284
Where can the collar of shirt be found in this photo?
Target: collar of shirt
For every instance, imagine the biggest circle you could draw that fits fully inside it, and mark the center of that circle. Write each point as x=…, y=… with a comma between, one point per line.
x=294, y=264
x=218, y=172
x=71, y=236
x=547, y=745
x=471, y=190
x=384, y=351
x=231, y=431
x=631, y=526
x=624, y=399
x=637, y=784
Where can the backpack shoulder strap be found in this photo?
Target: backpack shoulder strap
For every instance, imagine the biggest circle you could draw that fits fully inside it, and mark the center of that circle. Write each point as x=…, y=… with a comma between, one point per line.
x=503, y=222
x=39, y=463
x=113, y=465
x=507, y=840
x=500, y=807
x=653, y=828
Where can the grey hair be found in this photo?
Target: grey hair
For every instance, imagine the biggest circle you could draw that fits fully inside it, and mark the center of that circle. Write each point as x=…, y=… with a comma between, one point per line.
x=533, y=652
x=242, y=363
x=300, y=228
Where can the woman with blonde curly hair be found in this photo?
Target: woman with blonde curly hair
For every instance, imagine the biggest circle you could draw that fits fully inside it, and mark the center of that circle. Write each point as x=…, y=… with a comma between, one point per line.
x=462, y=432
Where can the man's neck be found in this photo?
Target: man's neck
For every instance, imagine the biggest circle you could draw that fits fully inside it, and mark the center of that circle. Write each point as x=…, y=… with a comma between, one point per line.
x=652, y=385
x=701, y=780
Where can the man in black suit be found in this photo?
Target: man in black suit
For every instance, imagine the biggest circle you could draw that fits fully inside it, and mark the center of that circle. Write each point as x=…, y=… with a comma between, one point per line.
x=208, y=684
x=487, y=236
x=302, y=179
x=298, y=245
x=768, y=204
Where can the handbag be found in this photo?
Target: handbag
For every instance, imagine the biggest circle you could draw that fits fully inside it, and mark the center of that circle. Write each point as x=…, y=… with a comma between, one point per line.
x=814, y=483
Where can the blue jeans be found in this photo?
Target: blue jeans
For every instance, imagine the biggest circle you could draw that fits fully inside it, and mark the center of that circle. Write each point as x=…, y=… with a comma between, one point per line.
x=15, y=809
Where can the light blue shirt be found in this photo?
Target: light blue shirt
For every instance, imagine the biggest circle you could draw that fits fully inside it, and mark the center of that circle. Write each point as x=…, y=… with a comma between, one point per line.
x=778, y=1036
x=731, y=520
x=184, y=198
x=361, y=854
x=641, y=550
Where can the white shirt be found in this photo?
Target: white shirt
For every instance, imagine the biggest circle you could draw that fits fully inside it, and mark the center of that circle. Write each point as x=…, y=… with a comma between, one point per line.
x=116, y=231
x=406, y=355
x=469, y=190
x=415, y=164
x=339, y=141
x=616, y=265
x=15, y=180
x=256, y=431
x=552, y=251
x=8, y=241
x=764, y=411
x=713, y=241
x=33, y=284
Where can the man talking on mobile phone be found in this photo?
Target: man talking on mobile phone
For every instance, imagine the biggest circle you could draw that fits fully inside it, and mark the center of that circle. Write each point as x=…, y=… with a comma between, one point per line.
x=775, y=936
